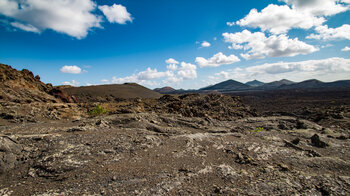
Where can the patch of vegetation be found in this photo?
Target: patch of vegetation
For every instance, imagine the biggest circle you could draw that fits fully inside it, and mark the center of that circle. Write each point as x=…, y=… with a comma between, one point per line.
x=258, y=129
x=97, y=111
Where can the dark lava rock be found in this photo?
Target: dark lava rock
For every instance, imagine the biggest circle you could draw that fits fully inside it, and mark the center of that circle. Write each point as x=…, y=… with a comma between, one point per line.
x=296, y=141
x=10, y=153
x=316, y=141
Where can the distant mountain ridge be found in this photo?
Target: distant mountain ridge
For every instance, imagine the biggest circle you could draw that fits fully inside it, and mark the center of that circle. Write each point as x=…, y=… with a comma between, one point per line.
x=255, y=83
x=227, y=85
x=164, y=90
x=284, y=84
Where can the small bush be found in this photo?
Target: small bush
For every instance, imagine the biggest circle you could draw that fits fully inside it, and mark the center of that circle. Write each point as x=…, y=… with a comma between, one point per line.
x=258, y=129
x=98, y=110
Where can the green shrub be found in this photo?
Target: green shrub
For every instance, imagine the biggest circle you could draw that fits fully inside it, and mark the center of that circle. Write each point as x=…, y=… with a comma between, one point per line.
x=98, y=110
x=258, y=129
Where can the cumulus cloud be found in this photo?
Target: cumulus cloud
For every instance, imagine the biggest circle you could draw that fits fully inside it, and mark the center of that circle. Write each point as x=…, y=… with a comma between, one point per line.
x=187, y=71
x=71, y=69
x=347, y=48
x=116, y=13
x=205, y=44
x=72, y=83
x=171, y=61
x=230, y=24
x=319, y=7
x=223, y=74
x=279, y=19
x=301, y=14
x=150, y=74
x=217, y=60
x=259, y=46
x=325, y=33
x=324, y=69
x=172, y=67
x=71, y=17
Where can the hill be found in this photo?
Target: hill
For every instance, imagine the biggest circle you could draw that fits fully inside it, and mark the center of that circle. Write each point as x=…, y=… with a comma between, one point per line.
x=254, y=83
x=164, y=90
x=304, y=84
x=228, y=85
x=316, y=84
x=275, y=84
x=104, y=93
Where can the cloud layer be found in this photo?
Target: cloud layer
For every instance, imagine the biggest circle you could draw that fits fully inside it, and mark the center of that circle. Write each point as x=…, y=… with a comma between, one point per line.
x=259, y=46
x=326, y=69
x=280, y=19
x=72, y=17
x=217, y=60
x=325, y=33
x=173, y=74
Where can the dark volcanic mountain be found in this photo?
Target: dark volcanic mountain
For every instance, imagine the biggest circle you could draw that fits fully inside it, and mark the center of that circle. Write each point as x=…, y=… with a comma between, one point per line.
x=304, y=84
x=255, y=83
x=275, y=84
x=228, y=85
x=338, y=84
x=164, y=90
x=316, y=84
x=103, y=93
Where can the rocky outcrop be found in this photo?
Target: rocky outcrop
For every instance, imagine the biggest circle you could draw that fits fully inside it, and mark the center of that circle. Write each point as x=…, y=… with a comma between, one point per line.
x=24, y=87
x=10, y=153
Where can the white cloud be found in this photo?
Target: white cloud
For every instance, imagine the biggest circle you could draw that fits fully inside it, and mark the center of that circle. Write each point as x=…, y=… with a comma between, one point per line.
x=187, y=71
x=319, y=7
x=327, y=46
x=171, y=61
x=105, y=81
x=259, y=46
x=301, y=14
x=72, y=17
x=150, y=74
x=223, y=74
x=217, y=60
x=205, y=44
x=173, y=75
x=133, y=79
x=325, y=33
x=172, y=64
x=347, y=48
x=280, y=19
x=25, y=27
x=73, y=83
x=230, y=24
x=71, y=69
x=172, y=67
x=116, y=13
x=325, y=69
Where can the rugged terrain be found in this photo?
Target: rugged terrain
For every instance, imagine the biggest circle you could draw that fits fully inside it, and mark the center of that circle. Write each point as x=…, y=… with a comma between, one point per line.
x=256, y=144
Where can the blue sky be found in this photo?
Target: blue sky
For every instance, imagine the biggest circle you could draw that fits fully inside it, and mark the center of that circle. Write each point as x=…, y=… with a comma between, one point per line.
x=178, y=43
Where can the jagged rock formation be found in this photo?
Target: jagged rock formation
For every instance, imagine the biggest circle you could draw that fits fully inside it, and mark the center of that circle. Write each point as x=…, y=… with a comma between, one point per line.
x=23, y=87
